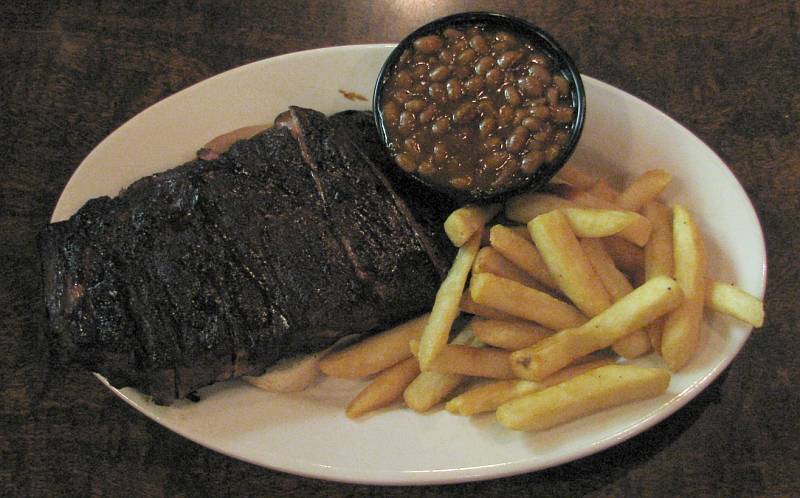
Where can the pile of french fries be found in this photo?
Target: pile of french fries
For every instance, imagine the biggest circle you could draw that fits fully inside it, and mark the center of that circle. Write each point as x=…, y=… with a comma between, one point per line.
x=571, y=284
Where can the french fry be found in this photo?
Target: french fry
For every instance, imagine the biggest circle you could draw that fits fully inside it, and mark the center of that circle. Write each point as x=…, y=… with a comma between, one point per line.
x=473, y=308
x=429, y=388
x=590, y=222
x=576, y=177
x=657, y=297
x=465, y=221
x=627, y=257
x=590, y=392
x=489, y=260
x=643, y=189
x=637, y=232
x=446, y=305
x=487, y=397
x=566, y=261
x=375, y=353
x=385, y=389
x=603, y=190
x=525, y=207
x=733, y=301
x=522, y=253
x=658, y=258
x=614, y=281
x=636, y=343
x=681, y=331
x=510, y=335
x=523, y=302
x=471, y=361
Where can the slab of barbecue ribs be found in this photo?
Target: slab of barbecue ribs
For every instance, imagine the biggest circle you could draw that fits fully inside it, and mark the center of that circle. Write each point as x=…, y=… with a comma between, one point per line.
x=220, y=268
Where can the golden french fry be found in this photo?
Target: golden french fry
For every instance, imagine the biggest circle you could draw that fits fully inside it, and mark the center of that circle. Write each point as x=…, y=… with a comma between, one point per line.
x=510, y=335
x=566, y=261
x=627, y=257
x=489, y=260
x=603, y=190
x=473, y=308
x=636, y=343
x=615, y=282
x=465, y=221
x=658, y=250
x=429, y=388
x=375, y=353
x=681, y=331
x=637, y=232
x=385, y=389
x=521, y=251
x=591, y=222
x=733, y=301
x=658, y=259
x=446, y=305
x=643, y=189
x=590, y=392
x=471, y=361
x=571, y=174
x=523, y=302
x=525, y=207
x=633, y=345
x=487, y=397
x=657, y=297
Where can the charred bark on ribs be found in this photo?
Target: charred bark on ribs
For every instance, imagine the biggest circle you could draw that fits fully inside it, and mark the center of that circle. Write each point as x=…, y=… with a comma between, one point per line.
x=219, y=268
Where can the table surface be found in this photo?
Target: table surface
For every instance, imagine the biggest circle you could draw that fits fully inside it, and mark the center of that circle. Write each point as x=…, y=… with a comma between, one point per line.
x=71, y=74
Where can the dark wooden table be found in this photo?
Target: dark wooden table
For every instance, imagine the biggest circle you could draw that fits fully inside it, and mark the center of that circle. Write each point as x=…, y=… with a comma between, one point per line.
x=71, y=72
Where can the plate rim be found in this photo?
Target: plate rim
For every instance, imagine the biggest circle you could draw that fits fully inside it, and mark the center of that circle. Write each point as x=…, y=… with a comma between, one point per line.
x=465, y=474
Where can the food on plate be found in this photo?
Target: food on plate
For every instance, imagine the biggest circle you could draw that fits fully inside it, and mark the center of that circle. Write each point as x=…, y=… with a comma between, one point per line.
x=547, y=358
x=447, y=303
x=655, y=298
x=489, y=260
x=489, y=396
x=474, y=361
x=474, y=107
x=643, y=189
x=566, y=261
x=519, y=249
x=733, y=301
x=681, y=331
x=375, y=353
x=510, y=335
x=469, y=306
x=637, y=232
x=593, y=223
x=658, y=259
x=465, y=221
x=616, y=283
x=524, y=207
x=219, y=268
x=589, y=392
x=289, y=375
x=515, y=299
x=385, y=389
x=429, y=388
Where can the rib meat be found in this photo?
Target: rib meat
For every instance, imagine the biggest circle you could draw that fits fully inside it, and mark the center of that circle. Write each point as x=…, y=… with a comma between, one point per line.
x=217, y=269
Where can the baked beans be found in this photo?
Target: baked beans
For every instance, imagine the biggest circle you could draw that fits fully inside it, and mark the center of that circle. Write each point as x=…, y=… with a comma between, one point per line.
x=475, y=108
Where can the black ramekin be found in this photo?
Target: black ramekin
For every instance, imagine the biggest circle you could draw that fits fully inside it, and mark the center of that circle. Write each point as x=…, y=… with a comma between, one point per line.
x=562, y=64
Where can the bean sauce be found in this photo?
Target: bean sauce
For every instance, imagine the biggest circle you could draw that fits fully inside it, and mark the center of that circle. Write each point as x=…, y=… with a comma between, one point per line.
x=475, y=108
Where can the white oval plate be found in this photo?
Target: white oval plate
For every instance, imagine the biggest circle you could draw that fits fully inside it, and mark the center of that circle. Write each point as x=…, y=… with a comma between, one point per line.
x=308, y=433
